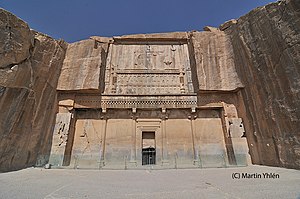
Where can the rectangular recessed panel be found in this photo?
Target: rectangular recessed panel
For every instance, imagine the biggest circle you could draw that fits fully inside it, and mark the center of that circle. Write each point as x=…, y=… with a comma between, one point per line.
x=148, y=69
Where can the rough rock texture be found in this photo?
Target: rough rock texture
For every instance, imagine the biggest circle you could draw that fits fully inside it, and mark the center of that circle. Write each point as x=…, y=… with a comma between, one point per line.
x=29, y=70
x=15, y=39
x=156, y=36
x=81, y=67
x=214, y=61
x=227, y=24
x=266, y=46
x=255, y=57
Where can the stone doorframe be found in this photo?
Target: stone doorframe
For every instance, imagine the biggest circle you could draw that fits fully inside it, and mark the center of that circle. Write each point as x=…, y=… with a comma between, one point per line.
x=147, y=125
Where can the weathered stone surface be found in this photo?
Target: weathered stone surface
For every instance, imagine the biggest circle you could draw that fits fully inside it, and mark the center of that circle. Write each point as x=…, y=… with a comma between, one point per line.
x=227, y=24
x=148, y=69
x=155, y=36
x=148, y=88
x=102, y=39
x=116, y=142
x=266, y=53
x=27, y=94
x=60, y=138
x=15, y=40
x=211, y=29
x=81, y=67
x=199, y=93
x=214, y=61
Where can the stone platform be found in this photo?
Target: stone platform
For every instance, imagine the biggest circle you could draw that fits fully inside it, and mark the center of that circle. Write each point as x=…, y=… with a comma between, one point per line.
x=181, y=183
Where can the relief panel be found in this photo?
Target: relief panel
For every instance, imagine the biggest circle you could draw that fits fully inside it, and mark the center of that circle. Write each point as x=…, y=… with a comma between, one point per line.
x=148, y=69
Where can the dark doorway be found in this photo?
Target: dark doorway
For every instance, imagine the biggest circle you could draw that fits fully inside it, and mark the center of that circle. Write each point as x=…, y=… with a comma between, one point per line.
x=148, y=150
x=149, y=156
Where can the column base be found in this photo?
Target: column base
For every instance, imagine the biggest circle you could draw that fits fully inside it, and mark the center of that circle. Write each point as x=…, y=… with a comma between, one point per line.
x=101, y=164
x=197, y=163
x=132, y=163
x=165, y=162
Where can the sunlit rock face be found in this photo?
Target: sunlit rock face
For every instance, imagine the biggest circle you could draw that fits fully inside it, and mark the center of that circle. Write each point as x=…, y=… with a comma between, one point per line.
x=170, y=100
x=266, y=54
x=30, y=64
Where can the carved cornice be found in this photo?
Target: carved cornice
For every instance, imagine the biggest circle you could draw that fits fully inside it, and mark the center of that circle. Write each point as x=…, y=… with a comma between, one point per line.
x=149, y=102
x=106, y=102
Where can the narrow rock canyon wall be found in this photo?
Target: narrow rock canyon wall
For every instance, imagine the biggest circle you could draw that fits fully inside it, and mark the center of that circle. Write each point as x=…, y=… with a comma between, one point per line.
x=266, y=46
x=30, y=64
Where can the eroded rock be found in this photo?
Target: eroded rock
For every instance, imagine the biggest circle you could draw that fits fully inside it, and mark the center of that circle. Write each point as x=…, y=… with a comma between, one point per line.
x=82, y=65
x=30, y=67
x=254, y=61
x=15, y=40
x=227, y=24
x=266, y=54
x=214, y=61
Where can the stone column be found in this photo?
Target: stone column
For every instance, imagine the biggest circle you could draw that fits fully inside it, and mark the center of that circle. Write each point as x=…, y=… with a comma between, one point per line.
x=229, y=152
x=133, y=161
x=70, y=142
x=60, y=138
x=164, y=157
x=138, y=144
x=103, y=141
x=195, y=142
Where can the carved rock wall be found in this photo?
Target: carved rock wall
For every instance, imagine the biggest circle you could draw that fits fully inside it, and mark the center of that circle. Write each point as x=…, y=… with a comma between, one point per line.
x=214, y=61
x=266, y=49
x=81, y=67
x=259, y=52
x=138, y=68
x=29, y=70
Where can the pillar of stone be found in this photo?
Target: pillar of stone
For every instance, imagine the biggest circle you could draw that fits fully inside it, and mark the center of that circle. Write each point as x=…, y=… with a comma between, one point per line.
x=195, y=143
x=229, y=158
x=133, y=161
x=103, y=140
x=61, y=133
x=60, y=138
x=165, y=160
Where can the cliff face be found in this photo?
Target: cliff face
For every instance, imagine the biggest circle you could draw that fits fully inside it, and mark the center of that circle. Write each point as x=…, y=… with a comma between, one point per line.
x=81, y=67
x=266, y=46
x=214, y=61
x=30, y=64
x=257, y=57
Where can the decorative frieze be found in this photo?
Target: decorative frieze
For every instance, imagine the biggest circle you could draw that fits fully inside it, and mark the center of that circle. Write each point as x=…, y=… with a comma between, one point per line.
x=154, y=101
x=94, y=101
x=149, y=101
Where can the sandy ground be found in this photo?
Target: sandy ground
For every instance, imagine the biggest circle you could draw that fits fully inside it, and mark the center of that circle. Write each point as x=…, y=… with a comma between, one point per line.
x=182, y=183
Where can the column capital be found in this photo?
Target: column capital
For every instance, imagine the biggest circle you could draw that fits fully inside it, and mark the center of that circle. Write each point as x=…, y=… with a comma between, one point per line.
x=134, y=117
x=192, y=116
